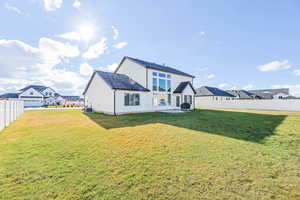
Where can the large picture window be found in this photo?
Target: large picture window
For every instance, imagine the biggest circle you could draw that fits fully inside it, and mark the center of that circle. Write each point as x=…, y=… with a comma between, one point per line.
x=131, y=99
x=161, y=82
x=162, y=85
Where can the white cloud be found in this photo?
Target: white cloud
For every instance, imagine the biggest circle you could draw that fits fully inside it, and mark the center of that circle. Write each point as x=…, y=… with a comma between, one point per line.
x=12, y=8
x=275, y=66
x=297, y=72
x=223, y=85
x=70, y=36
x=96, y=50
x=120, y=45
x=294, y=89
x=109, y=68
x=51, y=5
x=116, y=33
x=248, y=87
x=77, y=4
x=210, y=76
x=202, y=33
x=86, y=69
x=22, y=64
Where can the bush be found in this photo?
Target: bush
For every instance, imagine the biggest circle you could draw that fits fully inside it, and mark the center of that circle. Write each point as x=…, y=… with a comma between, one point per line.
x=185, y=106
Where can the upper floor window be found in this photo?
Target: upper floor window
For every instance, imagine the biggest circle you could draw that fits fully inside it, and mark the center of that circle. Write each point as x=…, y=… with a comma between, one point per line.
x=46, y=93
x=31, y=93
x=154, y=73
x=162, y=75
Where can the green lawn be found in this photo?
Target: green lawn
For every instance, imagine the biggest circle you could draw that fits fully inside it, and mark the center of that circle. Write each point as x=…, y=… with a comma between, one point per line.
x=204, y=154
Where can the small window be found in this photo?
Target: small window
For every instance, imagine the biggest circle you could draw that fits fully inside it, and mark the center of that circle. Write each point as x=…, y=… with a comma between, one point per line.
x=154, y=73
x=169, y=85
x=168, y=76
x=154, y=84
x=131, y=99
x=169, y=99
x=162, y=75
x=31, y=93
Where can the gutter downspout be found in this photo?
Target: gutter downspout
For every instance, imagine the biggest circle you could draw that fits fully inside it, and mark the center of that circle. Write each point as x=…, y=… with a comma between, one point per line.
x=115, y=103
x=147, y=78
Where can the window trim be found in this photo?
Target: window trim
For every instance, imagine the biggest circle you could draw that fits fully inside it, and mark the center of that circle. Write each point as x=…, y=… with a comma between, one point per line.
x=132, y=99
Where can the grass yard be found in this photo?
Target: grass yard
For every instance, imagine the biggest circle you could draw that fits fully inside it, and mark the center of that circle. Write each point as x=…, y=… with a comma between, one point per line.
x=204, y=154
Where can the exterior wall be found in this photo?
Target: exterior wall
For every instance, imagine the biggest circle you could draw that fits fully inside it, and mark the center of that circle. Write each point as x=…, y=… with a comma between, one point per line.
x=9, y=111
x=145, y=102
x=264, y=104
x=134, y=71
x=31, y=98
x=175, y=81
x=48, y=92
x=280, y=96
x=99, y=96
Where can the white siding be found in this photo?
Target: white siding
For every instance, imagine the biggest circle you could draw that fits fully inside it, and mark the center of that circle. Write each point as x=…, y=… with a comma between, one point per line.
x=175, y=80
x=134, y=71
x=100, y=96
x=48, y=91
x=31, y=98
x=145, y=102
x=272, y=104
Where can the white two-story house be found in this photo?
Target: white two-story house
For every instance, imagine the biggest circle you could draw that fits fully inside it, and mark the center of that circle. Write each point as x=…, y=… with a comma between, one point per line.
x=139, y=86
x=35, y=96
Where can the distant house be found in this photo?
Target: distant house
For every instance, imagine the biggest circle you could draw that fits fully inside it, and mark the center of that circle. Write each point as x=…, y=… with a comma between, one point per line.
x=212, y=93
x=281, y=93
x=243, y=94
x=139, y=86
x=73, y=100
x=36, y=96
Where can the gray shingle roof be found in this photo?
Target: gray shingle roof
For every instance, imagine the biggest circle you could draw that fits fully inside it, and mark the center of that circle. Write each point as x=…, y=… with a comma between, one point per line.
x=10, y=95
x=269, y=93
x=211, y=91
x=159, y=67
x=242, y=94
x=182, y=86
x=39, y=88
x=121, y=82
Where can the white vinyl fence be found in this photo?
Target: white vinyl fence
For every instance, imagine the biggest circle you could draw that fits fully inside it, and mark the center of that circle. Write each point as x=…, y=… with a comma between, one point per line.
x=272, y=104
x=10, y=111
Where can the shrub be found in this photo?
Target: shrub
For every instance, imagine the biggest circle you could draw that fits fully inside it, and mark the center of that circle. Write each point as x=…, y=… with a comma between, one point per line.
x=185, y=106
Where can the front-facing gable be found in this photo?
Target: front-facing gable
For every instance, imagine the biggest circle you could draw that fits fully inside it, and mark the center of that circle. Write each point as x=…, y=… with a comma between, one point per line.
x=31, y=93
x=184, y=86
x=154, y=66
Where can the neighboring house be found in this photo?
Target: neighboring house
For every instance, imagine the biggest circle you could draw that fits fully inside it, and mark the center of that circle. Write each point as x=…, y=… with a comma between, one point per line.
x=212, y=93
x=36, y=96
x=138, y=86
x=243, y=94
x=73, y=100
x=281, y=93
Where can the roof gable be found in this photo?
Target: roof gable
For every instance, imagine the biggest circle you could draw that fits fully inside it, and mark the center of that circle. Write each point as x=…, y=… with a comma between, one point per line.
x=180, y=88
x=155, y=66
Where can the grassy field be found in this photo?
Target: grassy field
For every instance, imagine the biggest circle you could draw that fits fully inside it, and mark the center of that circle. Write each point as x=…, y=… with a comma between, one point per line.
x=204, y=154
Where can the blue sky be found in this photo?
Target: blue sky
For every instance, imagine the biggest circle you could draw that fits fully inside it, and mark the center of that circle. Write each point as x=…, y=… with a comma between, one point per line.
x=228, y=44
